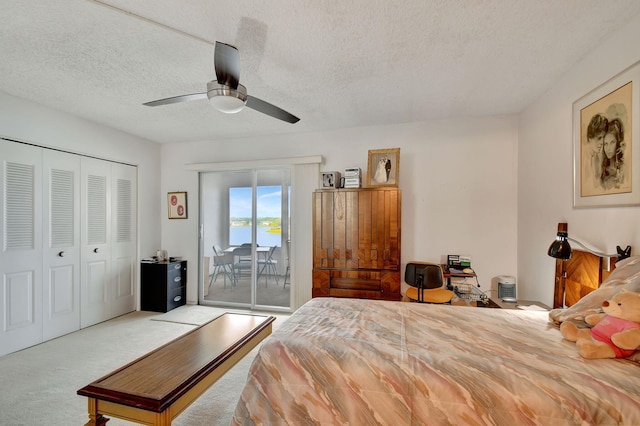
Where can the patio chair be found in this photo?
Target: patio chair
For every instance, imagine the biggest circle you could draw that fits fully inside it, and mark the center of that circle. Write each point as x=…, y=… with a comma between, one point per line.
x=222, y=263
x=242, y=260
x=287, y=274
x=268, y=264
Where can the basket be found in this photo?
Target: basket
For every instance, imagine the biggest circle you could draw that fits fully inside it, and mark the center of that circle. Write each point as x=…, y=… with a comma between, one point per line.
x=469, y=292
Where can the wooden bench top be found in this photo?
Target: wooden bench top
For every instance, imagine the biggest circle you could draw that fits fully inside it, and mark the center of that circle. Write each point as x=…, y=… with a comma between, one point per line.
x=156, y=380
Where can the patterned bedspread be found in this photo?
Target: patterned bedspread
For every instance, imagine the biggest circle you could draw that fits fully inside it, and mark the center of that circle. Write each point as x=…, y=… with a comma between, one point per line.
x=364, y=362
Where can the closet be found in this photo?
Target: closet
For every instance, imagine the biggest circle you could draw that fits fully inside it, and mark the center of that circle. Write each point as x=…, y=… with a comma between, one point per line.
x=356, y=243
x=68, y=241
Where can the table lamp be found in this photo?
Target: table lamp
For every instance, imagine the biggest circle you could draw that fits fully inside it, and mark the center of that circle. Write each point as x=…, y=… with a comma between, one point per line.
x=561, y=249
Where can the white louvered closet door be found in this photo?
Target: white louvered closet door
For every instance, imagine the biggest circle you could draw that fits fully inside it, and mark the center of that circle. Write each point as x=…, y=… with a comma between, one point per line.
x=21, y=240
x=96, y=270
x=61, y=251
x=123, y=184
x=68, y=243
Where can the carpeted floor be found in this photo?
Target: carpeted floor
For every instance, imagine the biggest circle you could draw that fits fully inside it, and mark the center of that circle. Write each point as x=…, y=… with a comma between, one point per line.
x=39, y=384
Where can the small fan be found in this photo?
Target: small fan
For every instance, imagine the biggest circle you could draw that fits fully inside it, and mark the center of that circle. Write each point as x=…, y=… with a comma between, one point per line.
x=226, y=94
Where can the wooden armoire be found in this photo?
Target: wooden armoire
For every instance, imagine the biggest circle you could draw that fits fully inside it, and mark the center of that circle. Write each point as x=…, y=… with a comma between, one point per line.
x=356, y=243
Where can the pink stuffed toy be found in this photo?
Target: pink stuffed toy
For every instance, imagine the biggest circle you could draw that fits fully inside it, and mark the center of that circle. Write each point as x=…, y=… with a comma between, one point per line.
x=615, y=333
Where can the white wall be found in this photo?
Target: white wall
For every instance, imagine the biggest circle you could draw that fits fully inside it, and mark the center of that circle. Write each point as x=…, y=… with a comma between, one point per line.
x=545, y=170
x=458, y=179
x=493, y=188
x=29, y=122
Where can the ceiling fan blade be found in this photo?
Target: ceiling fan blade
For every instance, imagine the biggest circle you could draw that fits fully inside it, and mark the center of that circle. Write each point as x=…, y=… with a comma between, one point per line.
x=269, y=109
x=176, y=99
x=227, y=63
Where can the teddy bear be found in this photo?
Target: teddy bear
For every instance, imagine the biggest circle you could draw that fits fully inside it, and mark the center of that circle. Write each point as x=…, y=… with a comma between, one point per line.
x=615, y=332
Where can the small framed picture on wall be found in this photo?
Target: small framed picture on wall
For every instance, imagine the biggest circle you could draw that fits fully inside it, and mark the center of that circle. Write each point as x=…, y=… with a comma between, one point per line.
x=177, y=202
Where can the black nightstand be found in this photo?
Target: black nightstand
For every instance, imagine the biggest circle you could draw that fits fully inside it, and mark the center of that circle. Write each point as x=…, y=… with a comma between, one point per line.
x=163, y=285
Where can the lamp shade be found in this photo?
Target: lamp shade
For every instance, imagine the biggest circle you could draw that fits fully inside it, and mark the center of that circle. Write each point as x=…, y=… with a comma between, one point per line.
x=227, y=104
x=226, y=99
x=560, y=247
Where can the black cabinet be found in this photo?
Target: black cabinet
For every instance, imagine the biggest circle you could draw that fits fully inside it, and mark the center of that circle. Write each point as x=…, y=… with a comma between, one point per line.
x=163, y=285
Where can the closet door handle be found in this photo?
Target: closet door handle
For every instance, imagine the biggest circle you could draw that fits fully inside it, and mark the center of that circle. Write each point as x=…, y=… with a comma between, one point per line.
x=95, y=250
x=61, y=254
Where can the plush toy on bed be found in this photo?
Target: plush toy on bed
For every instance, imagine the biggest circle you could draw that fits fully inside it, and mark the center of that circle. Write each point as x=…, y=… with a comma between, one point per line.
x=615, y=333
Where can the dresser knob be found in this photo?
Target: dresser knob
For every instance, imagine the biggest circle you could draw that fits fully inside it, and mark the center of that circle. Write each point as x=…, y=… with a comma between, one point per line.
x=177, y=298
x=177, y=279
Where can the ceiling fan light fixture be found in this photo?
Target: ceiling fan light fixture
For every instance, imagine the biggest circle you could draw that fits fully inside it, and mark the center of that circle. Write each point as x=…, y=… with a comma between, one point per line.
x=225, y=99
x=225, y=93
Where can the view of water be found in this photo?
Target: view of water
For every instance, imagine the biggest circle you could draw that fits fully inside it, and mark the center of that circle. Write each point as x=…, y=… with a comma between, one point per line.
x=242, y=234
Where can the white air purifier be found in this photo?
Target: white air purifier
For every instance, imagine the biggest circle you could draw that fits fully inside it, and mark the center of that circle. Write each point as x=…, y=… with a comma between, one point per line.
x=507, y=288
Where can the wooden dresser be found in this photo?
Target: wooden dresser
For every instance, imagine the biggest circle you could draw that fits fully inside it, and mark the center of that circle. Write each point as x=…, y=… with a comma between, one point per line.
x=356, y=243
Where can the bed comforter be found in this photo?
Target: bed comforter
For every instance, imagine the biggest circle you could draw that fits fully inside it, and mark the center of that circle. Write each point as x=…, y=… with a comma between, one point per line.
x=363, y=362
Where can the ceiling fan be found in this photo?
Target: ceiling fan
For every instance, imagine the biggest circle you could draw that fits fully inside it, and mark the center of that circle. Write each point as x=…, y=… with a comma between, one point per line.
x=226, y=94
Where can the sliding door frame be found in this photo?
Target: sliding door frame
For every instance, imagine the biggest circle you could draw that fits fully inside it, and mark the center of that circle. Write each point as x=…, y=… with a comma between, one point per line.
x=304, y=180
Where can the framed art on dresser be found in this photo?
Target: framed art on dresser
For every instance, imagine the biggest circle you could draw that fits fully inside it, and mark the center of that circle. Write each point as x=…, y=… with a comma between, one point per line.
x=383, y=167
x=330, y=180
x=606, y=135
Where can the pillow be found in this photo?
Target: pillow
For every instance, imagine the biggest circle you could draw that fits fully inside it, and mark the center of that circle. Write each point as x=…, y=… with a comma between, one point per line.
x=626, y=275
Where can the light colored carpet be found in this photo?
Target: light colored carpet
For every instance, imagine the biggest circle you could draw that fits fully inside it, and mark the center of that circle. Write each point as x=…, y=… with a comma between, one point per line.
x=39, y=384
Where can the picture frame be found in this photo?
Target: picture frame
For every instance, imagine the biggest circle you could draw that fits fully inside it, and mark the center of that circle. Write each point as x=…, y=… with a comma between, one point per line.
x=177, y=204
x=383, y=167
x=330, y=180
x=606, y=143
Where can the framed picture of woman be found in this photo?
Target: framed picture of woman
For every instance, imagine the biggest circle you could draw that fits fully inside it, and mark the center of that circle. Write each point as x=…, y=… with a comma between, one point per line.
x=384, y=167
x=606, y=132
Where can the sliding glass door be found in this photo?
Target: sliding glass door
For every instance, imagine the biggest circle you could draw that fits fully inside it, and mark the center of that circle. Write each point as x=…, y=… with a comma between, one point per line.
x=244, y=241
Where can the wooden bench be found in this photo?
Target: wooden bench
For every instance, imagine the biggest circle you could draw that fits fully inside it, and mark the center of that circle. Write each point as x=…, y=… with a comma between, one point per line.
x=158, y=386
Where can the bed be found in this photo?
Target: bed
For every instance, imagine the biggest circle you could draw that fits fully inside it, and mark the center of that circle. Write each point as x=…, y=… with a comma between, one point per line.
x=365, y=362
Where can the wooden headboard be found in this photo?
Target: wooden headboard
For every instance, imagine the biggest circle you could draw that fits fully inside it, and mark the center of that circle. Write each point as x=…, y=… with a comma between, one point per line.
x=579, y=276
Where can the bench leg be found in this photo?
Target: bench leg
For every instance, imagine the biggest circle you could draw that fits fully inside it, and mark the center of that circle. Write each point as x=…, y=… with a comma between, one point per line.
x=164, y=418
x=95, y=419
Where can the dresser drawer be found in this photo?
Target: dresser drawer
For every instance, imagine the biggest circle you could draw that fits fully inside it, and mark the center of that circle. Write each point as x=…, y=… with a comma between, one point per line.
x=175, y=277
x=355, y=280
x=176, y=297
x=366, y=284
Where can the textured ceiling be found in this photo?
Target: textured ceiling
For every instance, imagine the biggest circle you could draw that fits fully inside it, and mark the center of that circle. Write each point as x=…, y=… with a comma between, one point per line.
x=333, y=64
